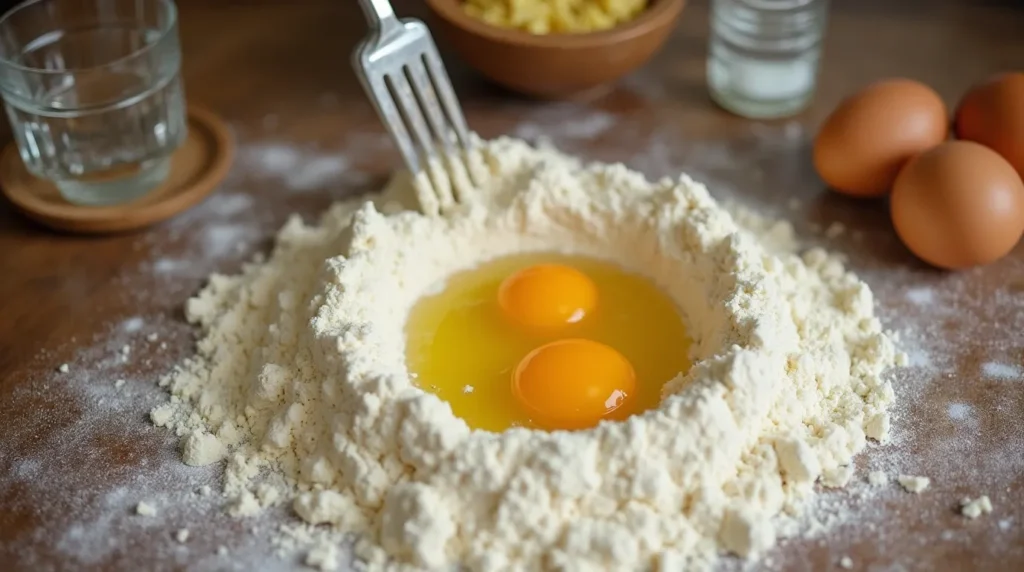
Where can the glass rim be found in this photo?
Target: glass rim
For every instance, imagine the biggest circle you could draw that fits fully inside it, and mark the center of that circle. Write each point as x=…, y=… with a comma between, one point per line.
x=172, y=20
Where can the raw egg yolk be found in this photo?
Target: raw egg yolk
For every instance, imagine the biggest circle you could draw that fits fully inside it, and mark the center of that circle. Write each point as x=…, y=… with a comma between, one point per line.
x=547, y=296
x=572, y=383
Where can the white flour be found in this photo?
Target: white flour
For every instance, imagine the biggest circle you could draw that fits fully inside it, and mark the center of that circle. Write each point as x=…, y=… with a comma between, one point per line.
x=914, y=484
x=301, y=374
x=560, y=121
x=98, y=527
x=974, y=508
x=301, y=170
x=964, y=325
x=1002, y=371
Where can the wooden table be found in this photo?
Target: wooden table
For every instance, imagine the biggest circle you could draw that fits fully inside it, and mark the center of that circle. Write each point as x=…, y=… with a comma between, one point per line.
x=76, y=452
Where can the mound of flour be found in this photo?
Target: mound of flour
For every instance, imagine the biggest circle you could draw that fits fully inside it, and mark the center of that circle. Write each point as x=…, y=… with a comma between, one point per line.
x=300, y=381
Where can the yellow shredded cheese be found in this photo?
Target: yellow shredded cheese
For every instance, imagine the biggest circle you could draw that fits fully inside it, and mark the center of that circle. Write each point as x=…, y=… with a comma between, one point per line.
x=555, y=16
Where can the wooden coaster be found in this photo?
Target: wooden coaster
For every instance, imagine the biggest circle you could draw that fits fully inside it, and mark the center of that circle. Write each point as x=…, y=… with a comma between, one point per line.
x=197, y=167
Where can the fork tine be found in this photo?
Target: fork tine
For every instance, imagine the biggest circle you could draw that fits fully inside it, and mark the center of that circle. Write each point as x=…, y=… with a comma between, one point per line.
x=401, y=69
x=413, y=115
x=392, y=119
x=395, y=125
x=443, y=88
x=424, y=91
x=471, y=163
x=461, y=183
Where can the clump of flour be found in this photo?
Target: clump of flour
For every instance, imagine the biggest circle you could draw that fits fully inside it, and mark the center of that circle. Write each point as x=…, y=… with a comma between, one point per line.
x=300, y=381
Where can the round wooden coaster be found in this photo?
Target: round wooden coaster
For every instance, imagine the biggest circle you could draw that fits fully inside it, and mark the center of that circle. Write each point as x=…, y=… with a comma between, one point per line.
x=197, y=167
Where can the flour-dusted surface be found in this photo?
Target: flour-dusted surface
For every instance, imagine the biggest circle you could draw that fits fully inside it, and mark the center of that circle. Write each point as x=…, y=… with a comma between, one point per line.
x=76, y=456
x=944, y=412
x=301, y=372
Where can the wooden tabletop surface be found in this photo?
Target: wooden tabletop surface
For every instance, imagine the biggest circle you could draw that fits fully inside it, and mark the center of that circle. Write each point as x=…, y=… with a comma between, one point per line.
x=76, y=451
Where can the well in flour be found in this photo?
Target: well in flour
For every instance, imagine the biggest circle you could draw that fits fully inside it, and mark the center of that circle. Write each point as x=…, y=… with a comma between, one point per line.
x=301, y=374
x=518, y=331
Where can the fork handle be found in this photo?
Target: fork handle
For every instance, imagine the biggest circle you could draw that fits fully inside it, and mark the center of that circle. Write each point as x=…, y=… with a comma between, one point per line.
x=380, y=15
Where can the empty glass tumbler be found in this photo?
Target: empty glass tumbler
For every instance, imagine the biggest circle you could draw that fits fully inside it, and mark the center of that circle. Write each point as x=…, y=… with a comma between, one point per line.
x=763, y=55
x=94, y=94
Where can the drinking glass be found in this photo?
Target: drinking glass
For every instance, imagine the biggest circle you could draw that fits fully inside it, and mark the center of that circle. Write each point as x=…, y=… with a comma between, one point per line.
x=764, y=54
x=94, y=95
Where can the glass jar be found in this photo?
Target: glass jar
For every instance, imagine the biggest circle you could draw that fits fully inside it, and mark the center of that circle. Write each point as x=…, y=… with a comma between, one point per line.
x=763, y=55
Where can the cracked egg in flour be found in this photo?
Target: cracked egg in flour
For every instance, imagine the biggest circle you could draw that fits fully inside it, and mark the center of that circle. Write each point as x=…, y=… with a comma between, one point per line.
x=546, y=341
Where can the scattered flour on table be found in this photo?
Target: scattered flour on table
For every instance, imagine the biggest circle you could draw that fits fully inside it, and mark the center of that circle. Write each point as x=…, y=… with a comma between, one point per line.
x=225, y=227
x=563, y=121
x=104, y=489
x=960, y=412
x=133, y=324
x=98, y=522
x=300, y=169
x=145, y=509
x=878, y=478
x=974, y=508
x=300, y=375
x=914, y=484
x=921, y=296
x=1003, y=371
x=229, y=224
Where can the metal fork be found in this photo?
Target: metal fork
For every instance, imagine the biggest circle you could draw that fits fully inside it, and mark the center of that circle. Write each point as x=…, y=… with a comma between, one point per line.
x=402, y=73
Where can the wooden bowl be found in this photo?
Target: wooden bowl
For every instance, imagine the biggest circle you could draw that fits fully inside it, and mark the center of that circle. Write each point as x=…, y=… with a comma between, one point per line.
x=554, y=66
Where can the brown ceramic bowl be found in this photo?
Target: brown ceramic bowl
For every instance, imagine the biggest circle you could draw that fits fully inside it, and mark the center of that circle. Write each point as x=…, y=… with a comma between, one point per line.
x=554, y=65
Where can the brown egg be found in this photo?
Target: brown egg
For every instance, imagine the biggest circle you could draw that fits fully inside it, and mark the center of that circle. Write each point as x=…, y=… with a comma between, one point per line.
x=864, y=142
x=992, y=113
x=958, y=205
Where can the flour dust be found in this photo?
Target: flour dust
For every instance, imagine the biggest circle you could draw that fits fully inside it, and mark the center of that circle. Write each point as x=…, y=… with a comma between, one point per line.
x=940, y=319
